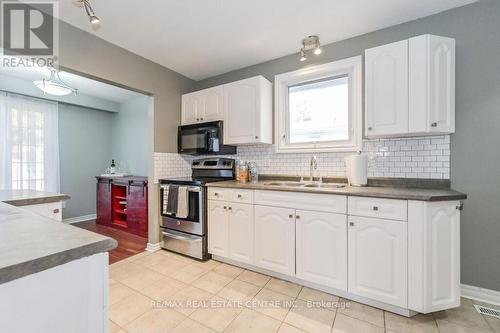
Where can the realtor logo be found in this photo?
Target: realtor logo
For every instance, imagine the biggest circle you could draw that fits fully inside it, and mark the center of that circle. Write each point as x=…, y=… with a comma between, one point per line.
x=29, y=33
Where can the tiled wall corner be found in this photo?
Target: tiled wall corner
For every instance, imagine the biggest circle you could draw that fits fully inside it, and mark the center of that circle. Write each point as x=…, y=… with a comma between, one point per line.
x=422, y=157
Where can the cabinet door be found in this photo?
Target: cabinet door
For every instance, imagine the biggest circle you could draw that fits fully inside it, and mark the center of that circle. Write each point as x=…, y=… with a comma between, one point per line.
x=377, y=263
x=137, y=210
x=218, y=228
x=433, y=255
x=191, y=105
x=212, y=104
x=386, y=89
x=322, y=248
x=241, y=105
x=241, y=232
x=103, y=204
x=431, y=84
x=275, y=239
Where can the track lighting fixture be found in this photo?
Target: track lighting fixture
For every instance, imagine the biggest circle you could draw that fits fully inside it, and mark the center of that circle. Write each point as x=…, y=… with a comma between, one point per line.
x=310, y=43
x=94, y=20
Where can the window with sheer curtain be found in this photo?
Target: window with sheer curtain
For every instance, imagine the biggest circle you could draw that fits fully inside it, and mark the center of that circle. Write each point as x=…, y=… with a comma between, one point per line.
x=29, y=143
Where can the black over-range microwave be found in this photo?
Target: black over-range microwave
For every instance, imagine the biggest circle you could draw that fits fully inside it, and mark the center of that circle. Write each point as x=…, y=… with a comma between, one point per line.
x=203, y=139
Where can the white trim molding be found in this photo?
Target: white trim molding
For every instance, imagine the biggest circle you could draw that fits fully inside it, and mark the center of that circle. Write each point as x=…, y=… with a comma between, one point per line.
x=481, y=294
x=80, y=218
x=350, y=67
x=150, y=247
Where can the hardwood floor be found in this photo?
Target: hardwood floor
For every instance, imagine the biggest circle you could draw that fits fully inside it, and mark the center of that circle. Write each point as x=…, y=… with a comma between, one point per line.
x=128, y=244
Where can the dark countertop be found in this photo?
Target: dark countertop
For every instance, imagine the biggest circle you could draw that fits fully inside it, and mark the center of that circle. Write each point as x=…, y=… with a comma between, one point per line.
x=390, y=192
x=30, y=197
x=30, y=243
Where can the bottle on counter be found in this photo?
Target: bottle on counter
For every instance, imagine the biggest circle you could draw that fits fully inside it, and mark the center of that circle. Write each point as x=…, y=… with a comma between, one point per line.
x=242, y=171
x=253, y=172
x=112, y=168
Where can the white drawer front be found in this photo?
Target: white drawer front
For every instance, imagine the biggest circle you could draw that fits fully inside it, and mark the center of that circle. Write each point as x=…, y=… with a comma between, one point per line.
x=379, y=208
x=306, y=201
x=240, y=195
x=51, y=210
x=215, y=193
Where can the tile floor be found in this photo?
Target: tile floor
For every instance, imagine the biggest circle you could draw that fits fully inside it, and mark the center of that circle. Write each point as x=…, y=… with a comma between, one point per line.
x=162, y=292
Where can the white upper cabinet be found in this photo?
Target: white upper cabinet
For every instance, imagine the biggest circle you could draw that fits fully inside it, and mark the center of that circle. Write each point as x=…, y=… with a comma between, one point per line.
x=202, y=106
x=431, y=85
x=248, y=111
x=386, y=89
x=410, y=87
x=245, y=106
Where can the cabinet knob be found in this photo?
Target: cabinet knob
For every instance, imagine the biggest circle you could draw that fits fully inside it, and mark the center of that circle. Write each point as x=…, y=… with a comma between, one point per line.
x=239, y=195
x=369, y=128
x=216, y=194
x=201, y=118
x=230, y=208
x=56, y=211
x=297, y=217
x=434, y=124
x=256, y=136
x=460, y=207
x=290, y=216
x=375, y=208
x=351, y=224
x=225, y=207
x=197, y=119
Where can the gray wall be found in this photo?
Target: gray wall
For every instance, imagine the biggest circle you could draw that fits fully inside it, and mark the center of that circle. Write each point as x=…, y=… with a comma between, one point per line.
x=81, y=52
x=475, y=161
x=130, y=136
x=84, y=152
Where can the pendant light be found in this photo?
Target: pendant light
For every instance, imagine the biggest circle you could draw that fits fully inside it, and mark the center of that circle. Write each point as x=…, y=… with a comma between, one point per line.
x=54, y=85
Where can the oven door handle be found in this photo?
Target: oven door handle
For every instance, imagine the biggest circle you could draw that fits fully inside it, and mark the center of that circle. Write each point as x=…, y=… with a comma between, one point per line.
x=182, y=238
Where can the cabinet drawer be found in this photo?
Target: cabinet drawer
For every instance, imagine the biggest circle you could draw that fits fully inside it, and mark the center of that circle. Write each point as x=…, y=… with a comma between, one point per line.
x=379, y=208
x=52, y=210
x=307, y=201
x=215, y=193
x=240, y=195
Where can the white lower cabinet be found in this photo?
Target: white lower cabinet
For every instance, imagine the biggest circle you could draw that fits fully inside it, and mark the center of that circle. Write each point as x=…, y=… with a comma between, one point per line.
x=275, y=239
x=218, y=228
x=321, y=249
x=52, y=210
x=377, y=264
x=241, y=241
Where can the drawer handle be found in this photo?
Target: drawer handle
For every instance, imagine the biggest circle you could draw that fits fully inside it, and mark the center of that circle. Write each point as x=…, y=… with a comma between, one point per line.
x=351, y=224
x=56, y=211
x=239, y=195
x=375, y=208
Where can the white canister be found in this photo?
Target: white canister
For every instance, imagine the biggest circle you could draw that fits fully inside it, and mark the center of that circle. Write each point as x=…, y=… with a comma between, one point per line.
x=357, y=169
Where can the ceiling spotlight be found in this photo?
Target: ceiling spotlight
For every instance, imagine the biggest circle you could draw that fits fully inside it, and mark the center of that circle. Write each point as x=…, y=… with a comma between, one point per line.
x=94, y=20
x=54, y=85
x=302, y=55
x=310, y=43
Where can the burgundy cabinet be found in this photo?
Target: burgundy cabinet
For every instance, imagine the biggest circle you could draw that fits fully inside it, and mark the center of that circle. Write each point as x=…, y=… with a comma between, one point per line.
x=103, y=204
x=122, y=203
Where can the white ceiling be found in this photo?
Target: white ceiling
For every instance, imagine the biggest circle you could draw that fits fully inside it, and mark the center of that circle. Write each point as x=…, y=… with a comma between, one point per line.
x=84, y=85
x=203, y=38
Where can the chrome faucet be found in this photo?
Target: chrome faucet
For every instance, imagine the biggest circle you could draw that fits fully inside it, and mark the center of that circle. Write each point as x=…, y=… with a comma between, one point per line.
x=313, y=165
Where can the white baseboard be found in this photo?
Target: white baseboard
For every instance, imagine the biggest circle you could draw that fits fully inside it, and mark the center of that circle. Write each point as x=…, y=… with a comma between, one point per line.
x=481, y=294
x=150, y=247
x=80, y=218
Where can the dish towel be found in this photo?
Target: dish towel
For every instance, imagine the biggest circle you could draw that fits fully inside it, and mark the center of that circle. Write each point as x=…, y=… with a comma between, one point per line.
x=182, y=209
x=172, y=199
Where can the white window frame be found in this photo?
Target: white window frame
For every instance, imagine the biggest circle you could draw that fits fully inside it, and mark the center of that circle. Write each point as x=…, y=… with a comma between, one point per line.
x=352, y=67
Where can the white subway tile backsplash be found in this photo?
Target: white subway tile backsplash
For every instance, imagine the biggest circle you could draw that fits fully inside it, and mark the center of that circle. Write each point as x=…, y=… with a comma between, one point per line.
x=427, y=157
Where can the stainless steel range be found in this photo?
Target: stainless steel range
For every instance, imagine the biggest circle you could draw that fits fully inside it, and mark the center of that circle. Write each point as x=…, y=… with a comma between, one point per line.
x=184, y=206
